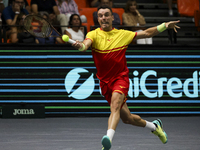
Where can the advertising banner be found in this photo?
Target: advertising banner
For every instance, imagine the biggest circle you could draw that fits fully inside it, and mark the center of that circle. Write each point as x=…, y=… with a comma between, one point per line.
x=163, y=80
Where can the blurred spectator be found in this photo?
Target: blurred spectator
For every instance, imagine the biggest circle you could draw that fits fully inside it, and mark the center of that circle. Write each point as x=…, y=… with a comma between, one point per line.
x=5, y=2
x=109, y=3
x=18, y=34
x=74, y=32
x=52, y=9
x=69, y=7
x=94, y=3
x=27, y=7
x=52, y=39
x=1, y=8
x=11, y=12
x=169, y=2
x=132, y=17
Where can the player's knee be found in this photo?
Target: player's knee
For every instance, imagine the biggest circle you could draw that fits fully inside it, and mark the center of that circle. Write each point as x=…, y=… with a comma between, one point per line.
x=116, y=102
x=115, y=106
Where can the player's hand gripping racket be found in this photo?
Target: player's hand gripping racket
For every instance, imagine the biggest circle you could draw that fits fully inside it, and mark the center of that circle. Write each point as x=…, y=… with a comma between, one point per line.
x=40, y=27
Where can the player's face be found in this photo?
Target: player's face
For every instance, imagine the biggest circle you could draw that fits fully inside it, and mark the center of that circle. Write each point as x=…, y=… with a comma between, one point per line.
x=105, y=19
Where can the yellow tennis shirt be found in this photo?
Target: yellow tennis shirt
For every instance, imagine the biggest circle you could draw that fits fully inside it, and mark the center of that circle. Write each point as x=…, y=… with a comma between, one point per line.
x=108, y=50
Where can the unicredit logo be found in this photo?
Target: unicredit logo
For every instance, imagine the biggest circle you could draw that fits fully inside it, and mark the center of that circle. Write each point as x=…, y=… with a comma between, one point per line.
x=173, y=86
x=79, y=83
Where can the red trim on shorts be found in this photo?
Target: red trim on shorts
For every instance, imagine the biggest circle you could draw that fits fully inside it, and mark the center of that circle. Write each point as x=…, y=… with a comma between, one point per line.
x=125, y=98
x=118, y=91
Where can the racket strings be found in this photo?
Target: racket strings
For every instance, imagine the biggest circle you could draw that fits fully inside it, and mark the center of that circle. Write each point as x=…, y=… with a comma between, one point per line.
x=37, y=26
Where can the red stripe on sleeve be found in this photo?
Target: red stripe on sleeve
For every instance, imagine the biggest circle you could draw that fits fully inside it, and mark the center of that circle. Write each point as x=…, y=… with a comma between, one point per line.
x=135, y=35
x=88, y=39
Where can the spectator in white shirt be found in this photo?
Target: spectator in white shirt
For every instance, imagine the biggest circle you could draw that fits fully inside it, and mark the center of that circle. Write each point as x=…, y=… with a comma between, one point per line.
x=69, y=7
x=75, y=32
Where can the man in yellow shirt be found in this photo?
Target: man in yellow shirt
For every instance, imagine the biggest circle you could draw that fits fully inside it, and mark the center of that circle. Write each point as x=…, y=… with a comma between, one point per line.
x=108, y=49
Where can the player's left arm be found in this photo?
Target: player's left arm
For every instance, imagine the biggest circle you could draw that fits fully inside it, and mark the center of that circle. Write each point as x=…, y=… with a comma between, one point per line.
x=150, y=32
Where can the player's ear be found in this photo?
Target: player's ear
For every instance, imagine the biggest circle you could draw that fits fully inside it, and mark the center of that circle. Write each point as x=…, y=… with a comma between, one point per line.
x=113, y=18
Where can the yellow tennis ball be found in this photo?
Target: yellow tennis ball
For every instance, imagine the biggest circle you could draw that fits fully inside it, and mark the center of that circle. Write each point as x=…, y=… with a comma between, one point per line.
x=65, y=38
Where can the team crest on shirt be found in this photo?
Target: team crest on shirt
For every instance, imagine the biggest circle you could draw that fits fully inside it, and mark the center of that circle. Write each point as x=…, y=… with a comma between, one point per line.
x=109, y=39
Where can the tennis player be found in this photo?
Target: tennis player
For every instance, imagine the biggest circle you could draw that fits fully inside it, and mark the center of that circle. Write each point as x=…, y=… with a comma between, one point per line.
x=108, y=49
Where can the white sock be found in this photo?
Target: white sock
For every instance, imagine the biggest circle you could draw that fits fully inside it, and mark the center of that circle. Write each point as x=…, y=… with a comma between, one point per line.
x=110, y=133
x=150, y=126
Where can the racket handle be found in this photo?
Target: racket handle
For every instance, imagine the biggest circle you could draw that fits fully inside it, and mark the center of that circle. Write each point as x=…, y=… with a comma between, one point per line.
x=71, y=41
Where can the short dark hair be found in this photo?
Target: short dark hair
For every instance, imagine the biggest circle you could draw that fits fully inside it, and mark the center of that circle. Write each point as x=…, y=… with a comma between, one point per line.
x=104, y=7
x=71, y=18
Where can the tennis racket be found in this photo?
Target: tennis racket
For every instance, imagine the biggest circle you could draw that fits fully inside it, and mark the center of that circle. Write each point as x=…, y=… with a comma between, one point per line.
x=40, y=27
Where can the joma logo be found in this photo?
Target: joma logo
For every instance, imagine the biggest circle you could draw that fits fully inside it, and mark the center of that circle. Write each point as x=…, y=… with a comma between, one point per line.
x=23, y=112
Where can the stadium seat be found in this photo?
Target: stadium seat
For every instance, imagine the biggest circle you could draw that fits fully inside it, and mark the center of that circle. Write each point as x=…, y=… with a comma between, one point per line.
x=7, y=41
x=187, y=7
x=88, y=12
x=82, y=4
x=29, y=2
x=197, y=19
x=120, y=12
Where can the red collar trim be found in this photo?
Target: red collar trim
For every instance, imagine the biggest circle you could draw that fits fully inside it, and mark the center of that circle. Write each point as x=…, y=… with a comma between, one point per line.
x=107, y=31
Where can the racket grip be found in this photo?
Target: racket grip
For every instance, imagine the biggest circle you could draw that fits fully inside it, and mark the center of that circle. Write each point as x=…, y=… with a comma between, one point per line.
x=71, y=41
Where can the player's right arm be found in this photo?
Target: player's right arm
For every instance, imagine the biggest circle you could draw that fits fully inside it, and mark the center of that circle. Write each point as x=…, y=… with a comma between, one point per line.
x=82, y=46
x=87, y=43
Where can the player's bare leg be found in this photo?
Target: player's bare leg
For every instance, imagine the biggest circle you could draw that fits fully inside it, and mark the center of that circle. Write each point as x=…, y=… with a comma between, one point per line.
x=129, y=118
x=115, y=106
x=156, y=126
